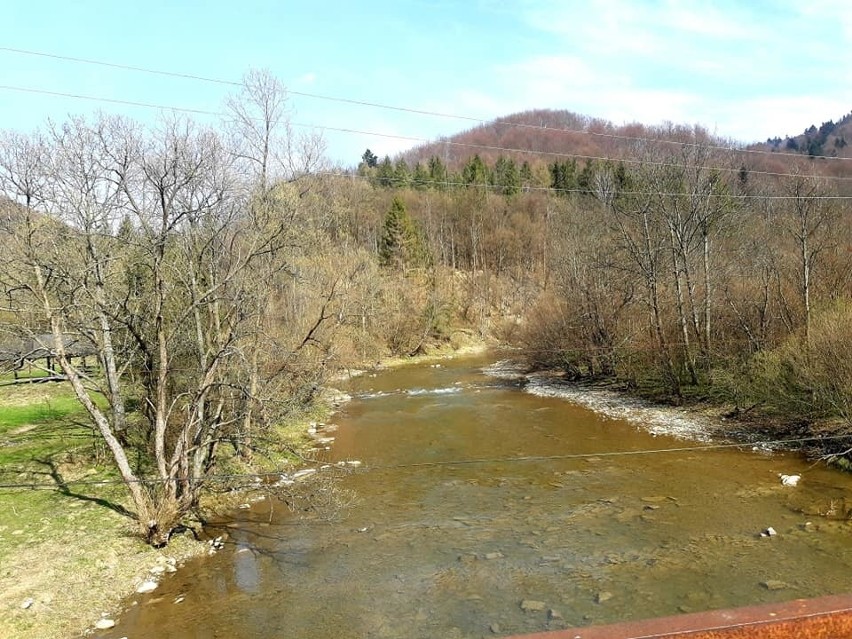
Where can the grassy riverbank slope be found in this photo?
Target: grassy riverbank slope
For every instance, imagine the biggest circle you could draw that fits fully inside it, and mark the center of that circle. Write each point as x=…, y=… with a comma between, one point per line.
x=68, y=549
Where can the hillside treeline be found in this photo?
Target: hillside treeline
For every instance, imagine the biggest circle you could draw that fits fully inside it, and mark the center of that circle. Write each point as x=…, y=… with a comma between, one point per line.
x=682, y=270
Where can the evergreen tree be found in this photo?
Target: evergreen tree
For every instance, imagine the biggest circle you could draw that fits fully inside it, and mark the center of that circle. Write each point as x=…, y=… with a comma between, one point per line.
x=563, y=176
x=475, y=172
x=401, y=174
x=506, y=177
x=526, y=175
x=385, y=174
x=420, y=177
x=370, y=160
x=437, y=172
x=585, y=181
x=401, y=246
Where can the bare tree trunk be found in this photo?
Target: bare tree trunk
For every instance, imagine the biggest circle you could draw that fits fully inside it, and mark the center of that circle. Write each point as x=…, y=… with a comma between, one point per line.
x=806, y=285
x=705, y=241
x=682, y=322
x=140, y=499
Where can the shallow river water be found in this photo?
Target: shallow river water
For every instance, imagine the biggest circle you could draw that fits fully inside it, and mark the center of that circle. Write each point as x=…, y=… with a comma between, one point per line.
x=453, y=549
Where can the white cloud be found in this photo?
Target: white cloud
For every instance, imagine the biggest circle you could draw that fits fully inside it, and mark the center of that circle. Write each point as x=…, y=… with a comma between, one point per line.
x=567, y=82
x=705, y=20
x=742, y=70
x=603, y=28
x=739, y=69
x=756, y=119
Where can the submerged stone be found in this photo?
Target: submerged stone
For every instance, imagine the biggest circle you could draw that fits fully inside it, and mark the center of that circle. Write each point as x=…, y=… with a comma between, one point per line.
x=531, y=605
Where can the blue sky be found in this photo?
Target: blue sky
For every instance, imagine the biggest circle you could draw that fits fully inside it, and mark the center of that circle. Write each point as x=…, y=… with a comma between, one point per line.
x=744, y=69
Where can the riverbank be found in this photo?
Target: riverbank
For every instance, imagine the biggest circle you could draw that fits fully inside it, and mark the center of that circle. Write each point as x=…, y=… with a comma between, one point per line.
x=702, y=421
x=67, y=550
x=69, y=555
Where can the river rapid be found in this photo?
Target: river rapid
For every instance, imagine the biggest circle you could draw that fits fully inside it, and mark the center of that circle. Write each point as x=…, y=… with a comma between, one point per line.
x=485, y=510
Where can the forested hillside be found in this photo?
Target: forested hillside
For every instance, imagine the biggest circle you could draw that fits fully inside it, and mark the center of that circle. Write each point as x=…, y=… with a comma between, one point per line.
x=664, y=258
x=829, y=140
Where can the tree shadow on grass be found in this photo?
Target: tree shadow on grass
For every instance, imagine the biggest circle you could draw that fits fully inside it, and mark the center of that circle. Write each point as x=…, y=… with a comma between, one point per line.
x=63, y=488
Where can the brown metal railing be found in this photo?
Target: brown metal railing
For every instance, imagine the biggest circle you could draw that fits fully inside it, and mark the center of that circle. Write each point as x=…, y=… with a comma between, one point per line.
x=821, y=618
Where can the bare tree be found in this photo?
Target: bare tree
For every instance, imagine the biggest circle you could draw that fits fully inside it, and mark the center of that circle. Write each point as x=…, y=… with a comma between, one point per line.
x=634, y=213
x=808, y=222
x=259, y=123
x=146, y=246
x=263, y=136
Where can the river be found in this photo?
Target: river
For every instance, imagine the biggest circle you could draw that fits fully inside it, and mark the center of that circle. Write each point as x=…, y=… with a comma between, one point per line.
x=437, y=549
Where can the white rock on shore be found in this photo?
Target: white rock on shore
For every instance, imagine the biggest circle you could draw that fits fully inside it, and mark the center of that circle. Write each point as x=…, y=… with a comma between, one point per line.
x=147, y=586
x=305, y=472
x=656, y=420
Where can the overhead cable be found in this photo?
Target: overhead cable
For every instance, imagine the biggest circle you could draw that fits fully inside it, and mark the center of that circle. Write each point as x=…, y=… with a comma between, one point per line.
x=404, y=109
x=467, y=145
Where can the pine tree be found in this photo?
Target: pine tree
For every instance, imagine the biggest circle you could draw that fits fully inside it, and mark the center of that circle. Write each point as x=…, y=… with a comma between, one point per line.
x=526, y=175
x=401, y=246
x=420, y=178
x=385, y=173
x=475, y=172
x=505, y=177
x=563, y=176
x=370, y=159
x=401, y=174
x=437, y=172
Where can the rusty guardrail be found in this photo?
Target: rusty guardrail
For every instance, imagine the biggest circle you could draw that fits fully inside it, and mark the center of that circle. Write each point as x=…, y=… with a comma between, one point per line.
x=821, y=618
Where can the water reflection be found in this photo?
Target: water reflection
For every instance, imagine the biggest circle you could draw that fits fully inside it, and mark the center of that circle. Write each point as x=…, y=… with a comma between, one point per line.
x=245, y=569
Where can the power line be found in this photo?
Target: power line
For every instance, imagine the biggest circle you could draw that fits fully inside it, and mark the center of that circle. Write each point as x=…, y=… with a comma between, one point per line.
x=200, y=78
x=378, y=105
x=91, y=98
x=549, y=189
x=467, y=145
x=615, y=453
x=777, y=443
x=113, y=65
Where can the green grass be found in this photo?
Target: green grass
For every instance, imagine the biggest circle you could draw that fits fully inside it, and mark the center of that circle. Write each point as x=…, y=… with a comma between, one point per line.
x=42, y=424
x=45, y=440
x=66, y=547
x=11, y=416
